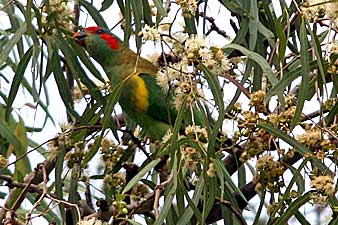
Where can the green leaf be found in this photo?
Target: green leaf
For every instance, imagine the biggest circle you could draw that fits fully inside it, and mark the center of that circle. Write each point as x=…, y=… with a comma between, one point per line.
x=137, y=9
x=218, y=97
x=316, y=45
x=22, y=166
x=282, y=39
x=76, y=69
x=294, y=206
x=301, y=218
x=128, y=20
x=169, y=193
x=209, y=195
x=235, y=6
x=91, y=153
x=8, y=134
x=304, y=86
x=140, y=175
x=332, y=114
x=94, y=13
x=190, y=25
x=133, y=222
x=290, y=76
x=258, y=59
x=192, y=205
x=177, y=127
x=160, y=9
x=13, y=40
x=62, y=84
x=253, y=28
x=85, y=59
x=58, y=180
x=19, y=73
x=73, y=189
x=268, y=34
x=260, y=207
x=106, y=4
x=220, y=169
x=147, y=13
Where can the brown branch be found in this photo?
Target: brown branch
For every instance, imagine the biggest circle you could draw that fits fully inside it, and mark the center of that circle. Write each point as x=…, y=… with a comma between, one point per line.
x=76, y=13
x=213, y=26
x=237, y=84
x=32, y=150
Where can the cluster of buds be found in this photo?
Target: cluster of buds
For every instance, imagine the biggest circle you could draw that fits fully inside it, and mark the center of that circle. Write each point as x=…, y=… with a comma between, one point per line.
x=183, y=76
x=253, y=147
x=76, y=155
x=190, y=157
x=333, y=59
x=188, y=7
x=319, y=141
x=90, y=221
x=3, y=161
x=211, y=172
x=282, y=120
x=268, y=173
x=311, y=138
x=120, y=204
x=324, y=186
x=139, y=192
x=150, y=33
x=196, y=132
x=79, y=92
x=116, y=180
x=56, y=13
x=247, y=124
x=317, y=9
x=57, y=144
x=111, y=153
x=329, y=104
x=257, y=101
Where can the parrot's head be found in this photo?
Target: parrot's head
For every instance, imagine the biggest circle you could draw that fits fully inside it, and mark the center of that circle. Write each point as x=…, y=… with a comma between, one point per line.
x=100, y=43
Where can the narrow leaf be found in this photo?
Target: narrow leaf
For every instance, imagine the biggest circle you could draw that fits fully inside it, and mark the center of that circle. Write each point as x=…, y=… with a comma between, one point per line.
x=13, y=40
x=19, y=73
x=304, y=86
x=290, y=211
x=106, y=4
x=159, y=5
x=140, y=175
x=94, y=13
x=257, y=58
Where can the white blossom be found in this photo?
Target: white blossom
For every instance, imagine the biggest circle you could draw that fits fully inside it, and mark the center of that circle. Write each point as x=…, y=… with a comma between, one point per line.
x=150, y=33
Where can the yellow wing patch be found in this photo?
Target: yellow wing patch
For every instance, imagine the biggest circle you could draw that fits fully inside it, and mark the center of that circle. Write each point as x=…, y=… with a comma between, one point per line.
x=141, y=92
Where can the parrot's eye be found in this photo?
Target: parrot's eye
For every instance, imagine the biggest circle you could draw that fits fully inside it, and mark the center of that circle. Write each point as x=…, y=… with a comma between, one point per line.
x=99, y=31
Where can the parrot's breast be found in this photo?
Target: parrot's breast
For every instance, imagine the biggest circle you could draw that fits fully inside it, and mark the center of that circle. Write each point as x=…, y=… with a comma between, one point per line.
x=135, y=95
x=141, y=93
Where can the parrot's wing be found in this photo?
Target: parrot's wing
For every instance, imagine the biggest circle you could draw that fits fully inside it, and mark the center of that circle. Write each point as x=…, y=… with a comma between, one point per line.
x=144, y=101
x=160, y=106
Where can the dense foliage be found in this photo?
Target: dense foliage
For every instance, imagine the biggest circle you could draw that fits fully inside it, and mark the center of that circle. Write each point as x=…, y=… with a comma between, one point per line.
x=262, y=73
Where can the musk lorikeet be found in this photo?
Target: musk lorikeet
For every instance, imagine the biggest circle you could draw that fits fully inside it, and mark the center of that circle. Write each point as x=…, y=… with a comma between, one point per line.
x=142, y=99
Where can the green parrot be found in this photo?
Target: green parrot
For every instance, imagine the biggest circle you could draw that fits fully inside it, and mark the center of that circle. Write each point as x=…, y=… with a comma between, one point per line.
x=141, y=98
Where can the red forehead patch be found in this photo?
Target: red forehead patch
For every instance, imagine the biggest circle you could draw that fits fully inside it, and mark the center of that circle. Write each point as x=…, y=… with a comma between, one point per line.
x=92, y=30
x=111, y=40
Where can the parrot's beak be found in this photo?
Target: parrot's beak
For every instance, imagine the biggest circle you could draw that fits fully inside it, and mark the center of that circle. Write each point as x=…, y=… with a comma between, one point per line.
x=80, y=37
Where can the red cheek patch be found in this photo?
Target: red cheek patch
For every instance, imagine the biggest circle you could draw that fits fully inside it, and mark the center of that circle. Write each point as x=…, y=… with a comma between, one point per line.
x=111, y=41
